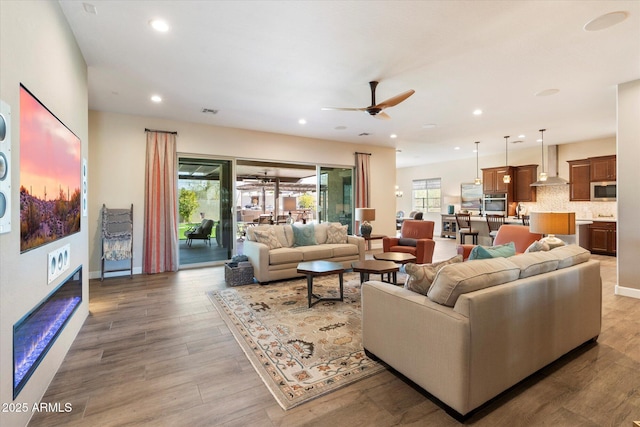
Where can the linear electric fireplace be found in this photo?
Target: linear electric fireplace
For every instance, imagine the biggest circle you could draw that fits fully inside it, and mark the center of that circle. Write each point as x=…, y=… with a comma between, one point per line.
x=35, y=333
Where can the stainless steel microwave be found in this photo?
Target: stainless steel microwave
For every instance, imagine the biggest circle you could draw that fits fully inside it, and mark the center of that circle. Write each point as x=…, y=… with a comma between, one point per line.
x=603, y=191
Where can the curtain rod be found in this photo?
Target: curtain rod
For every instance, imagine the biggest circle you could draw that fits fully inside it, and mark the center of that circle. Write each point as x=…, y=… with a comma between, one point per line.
x=160, y=131
x=357, y=152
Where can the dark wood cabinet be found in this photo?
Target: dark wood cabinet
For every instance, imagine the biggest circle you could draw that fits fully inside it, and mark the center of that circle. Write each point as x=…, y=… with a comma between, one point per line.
x=524, y=177
x=603, y=168
x=492, y=181
x=580, y=180
x=602, y=237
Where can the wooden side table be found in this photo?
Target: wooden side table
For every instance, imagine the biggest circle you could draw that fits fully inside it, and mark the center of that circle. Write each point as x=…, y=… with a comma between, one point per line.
x=397, y=257
x=312, y=269
x=370, y=237
x=365, y=268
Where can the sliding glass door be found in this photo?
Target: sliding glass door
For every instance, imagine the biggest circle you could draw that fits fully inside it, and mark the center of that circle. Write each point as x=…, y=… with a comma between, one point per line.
x=205, y=197
x=335, y=201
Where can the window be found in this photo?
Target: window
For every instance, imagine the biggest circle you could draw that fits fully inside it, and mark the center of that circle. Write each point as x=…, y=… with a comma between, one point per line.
x=426, y=195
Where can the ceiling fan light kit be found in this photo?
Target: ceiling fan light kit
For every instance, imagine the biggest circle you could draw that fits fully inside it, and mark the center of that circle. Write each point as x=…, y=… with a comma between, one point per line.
x=374, y=109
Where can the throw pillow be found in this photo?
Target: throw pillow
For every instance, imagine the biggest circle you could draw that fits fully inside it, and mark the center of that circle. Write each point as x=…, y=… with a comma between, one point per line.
x=420, y=276
x=535, y=263
x=268, y=237
x=405, y=241
x=337, y=233
x=457, y=279
x=304, y=235
x=570, y=255
x=537, y=246
x=500, y=251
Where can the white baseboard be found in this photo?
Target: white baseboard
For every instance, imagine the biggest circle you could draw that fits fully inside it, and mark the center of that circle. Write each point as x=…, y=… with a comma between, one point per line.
x=627, y=292
x=98, y=274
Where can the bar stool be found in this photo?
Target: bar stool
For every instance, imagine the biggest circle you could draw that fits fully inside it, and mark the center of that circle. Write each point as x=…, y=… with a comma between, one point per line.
x=494, y=222
x=525, y=219
x=464, y=228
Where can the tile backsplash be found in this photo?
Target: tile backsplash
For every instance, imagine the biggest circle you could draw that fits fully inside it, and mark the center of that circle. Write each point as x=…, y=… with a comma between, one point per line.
x=556, y=198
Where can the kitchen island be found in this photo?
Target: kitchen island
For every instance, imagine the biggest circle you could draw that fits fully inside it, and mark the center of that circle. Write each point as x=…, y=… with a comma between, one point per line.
x=581, y=237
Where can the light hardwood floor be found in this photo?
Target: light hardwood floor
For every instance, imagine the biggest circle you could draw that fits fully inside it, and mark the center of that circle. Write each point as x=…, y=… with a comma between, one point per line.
x=154, y=351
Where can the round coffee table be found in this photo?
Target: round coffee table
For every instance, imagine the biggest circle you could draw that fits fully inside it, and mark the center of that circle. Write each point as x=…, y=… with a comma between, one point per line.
x=313, y=269
x=397, y=257
x=365, y=268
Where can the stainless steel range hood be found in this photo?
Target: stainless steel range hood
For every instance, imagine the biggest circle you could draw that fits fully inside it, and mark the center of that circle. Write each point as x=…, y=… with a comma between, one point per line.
x=552, y=178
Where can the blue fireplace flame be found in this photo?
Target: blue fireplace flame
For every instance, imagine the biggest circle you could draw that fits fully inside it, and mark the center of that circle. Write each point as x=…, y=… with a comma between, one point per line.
x=35, y=333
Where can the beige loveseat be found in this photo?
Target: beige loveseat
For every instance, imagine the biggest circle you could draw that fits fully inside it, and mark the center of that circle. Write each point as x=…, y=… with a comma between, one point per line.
x=471, y=347
x=279, y=260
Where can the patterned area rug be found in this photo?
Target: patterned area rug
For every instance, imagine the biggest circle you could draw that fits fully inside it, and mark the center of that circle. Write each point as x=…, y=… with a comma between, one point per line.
x=300, y=353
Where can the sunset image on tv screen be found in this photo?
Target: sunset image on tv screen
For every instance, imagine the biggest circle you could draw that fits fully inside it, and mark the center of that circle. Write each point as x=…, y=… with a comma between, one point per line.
x=49, y=176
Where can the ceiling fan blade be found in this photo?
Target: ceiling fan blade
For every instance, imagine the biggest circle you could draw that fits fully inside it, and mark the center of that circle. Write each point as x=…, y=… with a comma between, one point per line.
x=396, y=99
x=342, y=109
x=382, y=116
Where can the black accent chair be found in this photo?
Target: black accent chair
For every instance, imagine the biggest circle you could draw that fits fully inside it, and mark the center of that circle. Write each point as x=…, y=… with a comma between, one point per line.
x=201, y=232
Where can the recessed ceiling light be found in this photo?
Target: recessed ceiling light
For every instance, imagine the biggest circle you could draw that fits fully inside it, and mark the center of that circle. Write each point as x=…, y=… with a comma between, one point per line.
x=605, y=21
x=477, y=112
x=156, y=98
x=547, y=92
x=456, y=148
x=393, y=136
x=429, y=126
x=159, y=25
x=302, y=121
x=520, y=136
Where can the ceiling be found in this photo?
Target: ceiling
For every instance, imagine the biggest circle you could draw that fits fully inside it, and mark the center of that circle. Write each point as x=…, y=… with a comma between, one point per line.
x=263, y=65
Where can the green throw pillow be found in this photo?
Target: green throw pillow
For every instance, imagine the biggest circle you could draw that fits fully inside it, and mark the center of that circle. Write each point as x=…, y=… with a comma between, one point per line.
x=501, y=251
x=304, y=235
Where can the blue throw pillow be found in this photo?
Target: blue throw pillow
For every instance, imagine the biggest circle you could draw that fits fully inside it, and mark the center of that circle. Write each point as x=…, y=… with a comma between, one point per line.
x=501, y=251
x=304, y=235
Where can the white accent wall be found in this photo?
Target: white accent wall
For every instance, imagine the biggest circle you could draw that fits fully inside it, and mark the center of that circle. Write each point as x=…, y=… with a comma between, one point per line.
x=39, y=50
x=628, y=175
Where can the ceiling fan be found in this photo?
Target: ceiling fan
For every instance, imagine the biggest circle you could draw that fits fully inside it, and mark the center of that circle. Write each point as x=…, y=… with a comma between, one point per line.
x=376, y=109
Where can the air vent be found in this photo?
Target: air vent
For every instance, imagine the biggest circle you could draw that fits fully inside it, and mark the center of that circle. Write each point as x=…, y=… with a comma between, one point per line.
x=364, y=134
x=209, y=111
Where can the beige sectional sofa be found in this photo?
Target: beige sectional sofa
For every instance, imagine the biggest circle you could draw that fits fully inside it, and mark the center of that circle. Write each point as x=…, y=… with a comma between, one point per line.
x=492, y=326
x=275, y=254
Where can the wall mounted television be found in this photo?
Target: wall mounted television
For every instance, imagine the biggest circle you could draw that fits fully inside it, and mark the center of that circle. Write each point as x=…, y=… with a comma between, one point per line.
x=50, y=175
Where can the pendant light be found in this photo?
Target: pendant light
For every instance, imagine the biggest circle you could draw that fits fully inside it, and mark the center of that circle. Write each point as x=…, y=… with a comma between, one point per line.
x=477, y=181
x=543, y=173
x=506, y=178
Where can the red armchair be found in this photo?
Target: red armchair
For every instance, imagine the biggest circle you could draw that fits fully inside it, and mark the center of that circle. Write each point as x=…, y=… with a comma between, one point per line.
x=416, y=238
x=518, y=234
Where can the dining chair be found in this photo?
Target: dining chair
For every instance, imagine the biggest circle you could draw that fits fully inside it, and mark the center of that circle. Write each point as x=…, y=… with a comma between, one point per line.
x=494, y=222
x=464, y=228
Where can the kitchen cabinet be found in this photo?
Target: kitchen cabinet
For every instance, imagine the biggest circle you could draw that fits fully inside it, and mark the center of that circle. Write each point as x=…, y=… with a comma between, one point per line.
x=492, y=182
x=580, y=180
x=602, y=237
x=603, y=168
x=524, y=177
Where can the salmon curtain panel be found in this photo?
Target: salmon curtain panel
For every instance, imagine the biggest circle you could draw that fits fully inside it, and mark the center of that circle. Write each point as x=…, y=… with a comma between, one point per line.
x=160, y=204
x=363, y=172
